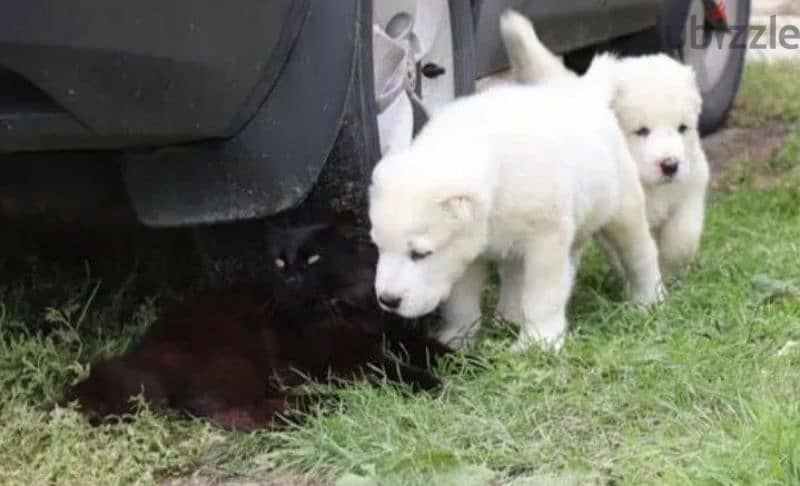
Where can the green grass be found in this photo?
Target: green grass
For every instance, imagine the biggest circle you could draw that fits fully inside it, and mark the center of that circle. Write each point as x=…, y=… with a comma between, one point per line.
x=704, y=389
x=768, y=91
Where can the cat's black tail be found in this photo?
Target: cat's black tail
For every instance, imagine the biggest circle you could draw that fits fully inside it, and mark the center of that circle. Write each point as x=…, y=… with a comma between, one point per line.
x=111, y=390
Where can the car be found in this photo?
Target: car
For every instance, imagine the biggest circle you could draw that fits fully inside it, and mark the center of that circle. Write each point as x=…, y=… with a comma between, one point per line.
x=219, y=117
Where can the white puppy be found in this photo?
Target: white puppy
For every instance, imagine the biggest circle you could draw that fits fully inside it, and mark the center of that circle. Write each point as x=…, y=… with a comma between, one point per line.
x=658, y=106
x=523, y=174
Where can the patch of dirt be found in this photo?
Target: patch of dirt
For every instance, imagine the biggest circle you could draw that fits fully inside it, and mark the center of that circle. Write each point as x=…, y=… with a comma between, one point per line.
x=733, y=145
x=205, y=477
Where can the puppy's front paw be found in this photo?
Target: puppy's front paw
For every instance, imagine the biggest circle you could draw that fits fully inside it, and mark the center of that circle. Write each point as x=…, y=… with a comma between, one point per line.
x=649, y=297
x=552, y=341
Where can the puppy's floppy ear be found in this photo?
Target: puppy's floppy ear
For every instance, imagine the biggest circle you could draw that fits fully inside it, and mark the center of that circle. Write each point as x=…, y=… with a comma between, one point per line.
x=462, y=207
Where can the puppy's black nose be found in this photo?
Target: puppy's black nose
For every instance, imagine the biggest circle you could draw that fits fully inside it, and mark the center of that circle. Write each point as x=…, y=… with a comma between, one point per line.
x=389, y=301
x=669, y=167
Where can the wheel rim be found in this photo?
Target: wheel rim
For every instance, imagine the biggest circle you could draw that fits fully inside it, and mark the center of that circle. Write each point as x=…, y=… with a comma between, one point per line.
x=706, y=49
x=413, y=66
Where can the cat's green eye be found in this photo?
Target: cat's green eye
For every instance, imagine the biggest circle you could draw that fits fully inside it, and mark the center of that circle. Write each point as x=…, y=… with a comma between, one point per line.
x=280, y=263
x=313, y=259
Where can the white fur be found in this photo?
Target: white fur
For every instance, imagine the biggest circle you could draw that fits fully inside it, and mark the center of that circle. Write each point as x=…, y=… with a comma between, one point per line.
x=521, y=174
x=655, y=92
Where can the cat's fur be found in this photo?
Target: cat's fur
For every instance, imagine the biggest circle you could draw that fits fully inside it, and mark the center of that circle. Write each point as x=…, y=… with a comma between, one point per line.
x=234, y=358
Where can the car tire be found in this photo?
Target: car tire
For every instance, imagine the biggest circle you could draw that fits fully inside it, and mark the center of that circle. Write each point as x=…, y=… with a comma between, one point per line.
x=234, y=253
x=344, y=180
x=718, y=61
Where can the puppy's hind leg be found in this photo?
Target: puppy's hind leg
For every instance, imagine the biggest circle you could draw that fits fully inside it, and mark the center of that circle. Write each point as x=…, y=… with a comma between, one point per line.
x=548, y=279
x=462, y=310
x=629, y=236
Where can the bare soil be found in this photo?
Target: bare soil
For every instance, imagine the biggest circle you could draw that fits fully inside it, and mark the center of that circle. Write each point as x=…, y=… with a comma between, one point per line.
x=735, y=144
x=204, y=477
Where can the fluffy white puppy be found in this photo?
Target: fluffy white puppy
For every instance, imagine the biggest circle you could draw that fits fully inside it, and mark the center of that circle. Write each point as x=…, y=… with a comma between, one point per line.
x=658, y=105
x=522, y=174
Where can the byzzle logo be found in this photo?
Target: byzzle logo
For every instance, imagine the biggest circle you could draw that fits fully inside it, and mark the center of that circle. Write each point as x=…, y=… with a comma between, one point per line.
x=718, y=28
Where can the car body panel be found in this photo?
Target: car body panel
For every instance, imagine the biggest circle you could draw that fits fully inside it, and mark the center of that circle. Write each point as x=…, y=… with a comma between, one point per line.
x=123, y=74
x=563, y=25
x=630, y=16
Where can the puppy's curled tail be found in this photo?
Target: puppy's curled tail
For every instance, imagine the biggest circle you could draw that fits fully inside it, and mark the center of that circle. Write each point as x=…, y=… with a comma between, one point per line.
x=531, y=61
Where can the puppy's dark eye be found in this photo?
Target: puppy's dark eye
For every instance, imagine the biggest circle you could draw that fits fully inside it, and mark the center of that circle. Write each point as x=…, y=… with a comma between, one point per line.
x=682, y=129
x=417, y=255
x=643, y=132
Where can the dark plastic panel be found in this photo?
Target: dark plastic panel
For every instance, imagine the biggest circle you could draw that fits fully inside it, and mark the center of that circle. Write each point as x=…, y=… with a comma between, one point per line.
x=275, y=160
x=145, y=72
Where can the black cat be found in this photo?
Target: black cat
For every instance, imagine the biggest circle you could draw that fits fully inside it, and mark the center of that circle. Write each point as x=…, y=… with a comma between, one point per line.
x=234, y=358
